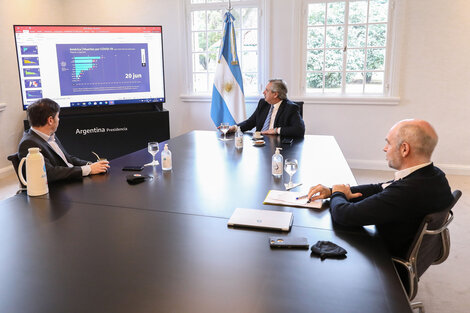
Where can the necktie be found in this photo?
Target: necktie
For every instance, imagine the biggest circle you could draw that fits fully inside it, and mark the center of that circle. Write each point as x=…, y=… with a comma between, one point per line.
x=268, y=119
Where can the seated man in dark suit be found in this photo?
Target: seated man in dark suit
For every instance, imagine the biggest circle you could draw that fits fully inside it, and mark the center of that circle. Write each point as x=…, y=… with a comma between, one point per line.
x=43, y=116
x=275, y=114
x=396, y=207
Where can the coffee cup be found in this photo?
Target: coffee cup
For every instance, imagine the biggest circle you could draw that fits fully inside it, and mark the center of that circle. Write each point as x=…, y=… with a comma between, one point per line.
x=257, y=135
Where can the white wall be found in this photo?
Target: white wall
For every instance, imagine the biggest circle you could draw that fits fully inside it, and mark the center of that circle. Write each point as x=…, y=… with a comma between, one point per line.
x=434, y=77
x=17, y=12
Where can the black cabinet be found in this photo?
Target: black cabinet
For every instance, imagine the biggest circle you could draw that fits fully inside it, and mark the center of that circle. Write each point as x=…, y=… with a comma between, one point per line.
x=112, y=135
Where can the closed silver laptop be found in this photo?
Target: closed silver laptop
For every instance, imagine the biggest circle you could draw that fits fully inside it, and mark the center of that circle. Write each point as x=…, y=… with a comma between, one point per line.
x=261, y=219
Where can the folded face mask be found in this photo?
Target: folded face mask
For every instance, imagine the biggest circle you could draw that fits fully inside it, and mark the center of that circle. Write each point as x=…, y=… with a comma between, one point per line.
x=327, y=249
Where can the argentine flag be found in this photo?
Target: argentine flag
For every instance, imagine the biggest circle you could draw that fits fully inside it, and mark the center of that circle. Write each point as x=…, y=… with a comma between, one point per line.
x=228, y=100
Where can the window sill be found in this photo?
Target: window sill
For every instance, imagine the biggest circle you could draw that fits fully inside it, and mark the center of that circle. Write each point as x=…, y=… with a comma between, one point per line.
x=350, y=100
x=208, y=98
x=332, y=100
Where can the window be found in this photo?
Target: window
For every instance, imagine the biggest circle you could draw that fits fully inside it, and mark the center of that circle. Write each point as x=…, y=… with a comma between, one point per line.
x=205, y=35
x=347, y=46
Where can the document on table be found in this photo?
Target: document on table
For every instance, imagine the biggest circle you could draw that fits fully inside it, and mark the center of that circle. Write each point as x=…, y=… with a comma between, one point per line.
x=288, y=198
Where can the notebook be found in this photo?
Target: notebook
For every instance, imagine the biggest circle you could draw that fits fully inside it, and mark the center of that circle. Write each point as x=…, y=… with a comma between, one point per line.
x=261, y=219
x=289, y=198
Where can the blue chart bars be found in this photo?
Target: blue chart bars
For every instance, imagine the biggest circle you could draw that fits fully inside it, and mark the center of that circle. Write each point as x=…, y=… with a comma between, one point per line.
x=83, y=64
x=33, y=94
x=29, y=50
x=86, y=69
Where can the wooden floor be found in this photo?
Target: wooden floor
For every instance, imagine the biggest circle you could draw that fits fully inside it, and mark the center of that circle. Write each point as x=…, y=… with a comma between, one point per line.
x=444, y=288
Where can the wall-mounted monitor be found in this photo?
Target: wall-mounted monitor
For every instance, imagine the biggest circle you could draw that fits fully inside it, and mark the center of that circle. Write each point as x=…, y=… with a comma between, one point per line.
x=87, y=66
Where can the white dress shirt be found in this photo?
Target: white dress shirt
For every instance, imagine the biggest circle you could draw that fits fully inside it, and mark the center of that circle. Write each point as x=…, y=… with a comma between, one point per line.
x=403, y=173
x=86, y=169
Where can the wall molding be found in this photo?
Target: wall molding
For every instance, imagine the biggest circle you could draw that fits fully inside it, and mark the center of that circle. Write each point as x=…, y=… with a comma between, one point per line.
x=349, y=100
x=208, y=98
x=449, y=169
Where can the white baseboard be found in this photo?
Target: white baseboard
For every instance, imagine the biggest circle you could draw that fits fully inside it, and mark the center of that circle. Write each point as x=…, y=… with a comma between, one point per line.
x=368, y=165
x=454, y=169
x=449, y=169
x=6, y=171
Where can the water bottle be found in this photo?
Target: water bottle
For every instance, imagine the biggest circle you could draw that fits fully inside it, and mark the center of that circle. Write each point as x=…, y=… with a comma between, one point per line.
x=36, y=176
x=277, y=163
x=239, y=138
x=166, y=159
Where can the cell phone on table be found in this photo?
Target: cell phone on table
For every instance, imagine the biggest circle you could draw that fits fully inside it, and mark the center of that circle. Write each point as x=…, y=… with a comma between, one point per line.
x=133, y=168
x=288, y=242
x=287, y=141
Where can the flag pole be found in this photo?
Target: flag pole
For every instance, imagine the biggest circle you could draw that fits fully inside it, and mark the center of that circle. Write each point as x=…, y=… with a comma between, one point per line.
x=229, y=6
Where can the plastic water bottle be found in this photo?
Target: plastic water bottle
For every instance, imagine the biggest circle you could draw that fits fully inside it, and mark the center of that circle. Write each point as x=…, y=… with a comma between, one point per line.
x=166, y=159
x=277, y=163
x=239, y=138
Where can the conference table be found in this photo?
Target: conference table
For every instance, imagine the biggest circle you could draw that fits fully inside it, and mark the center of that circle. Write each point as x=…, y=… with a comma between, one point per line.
x=212, y=178
x=102, y=245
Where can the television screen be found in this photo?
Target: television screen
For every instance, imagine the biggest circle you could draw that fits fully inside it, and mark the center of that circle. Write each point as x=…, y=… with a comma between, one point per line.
x=83, y=66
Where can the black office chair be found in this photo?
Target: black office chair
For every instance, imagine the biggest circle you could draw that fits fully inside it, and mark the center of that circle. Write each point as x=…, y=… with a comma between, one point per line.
x=431, y=246
x=15, y=161
x=301, y=107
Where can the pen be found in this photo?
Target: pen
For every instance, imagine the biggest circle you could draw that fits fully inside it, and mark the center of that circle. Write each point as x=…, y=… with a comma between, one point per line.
x=301, y=197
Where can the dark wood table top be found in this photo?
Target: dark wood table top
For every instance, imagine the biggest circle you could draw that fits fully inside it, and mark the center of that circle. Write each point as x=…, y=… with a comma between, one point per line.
x=212, y=178
x=102, y=245
x=62, y=256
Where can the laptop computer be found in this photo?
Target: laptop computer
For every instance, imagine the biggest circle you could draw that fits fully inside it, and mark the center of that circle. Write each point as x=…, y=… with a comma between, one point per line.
x=261, y=219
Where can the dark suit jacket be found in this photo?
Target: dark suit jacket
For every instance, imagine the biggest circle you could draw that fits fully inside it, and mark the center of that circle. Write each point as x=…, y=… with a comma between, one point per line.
x=287, y=117
x=396, y=210
x=56, y=168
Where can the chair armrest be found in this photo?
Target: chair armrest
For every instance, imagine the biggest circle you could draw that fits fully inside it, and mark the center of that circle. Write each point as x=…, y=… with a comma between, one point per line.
x=443, y=227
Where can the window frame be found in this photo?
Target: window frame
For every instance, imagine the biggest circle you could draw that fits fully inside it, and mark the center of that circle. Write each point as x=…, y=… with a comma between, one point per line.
x=390, y=95
x=191, y=96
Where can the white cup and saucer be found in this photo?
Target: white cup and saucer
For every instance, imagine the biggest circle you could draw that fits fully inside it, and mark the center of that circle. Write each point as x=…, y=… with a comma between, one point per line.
x=257, y=136
x=258, y=139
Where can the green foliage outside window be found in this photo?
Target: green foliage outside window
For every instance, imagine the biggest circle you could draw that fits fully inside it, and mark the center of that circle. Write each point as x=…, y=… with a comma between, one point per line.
x=363, y=53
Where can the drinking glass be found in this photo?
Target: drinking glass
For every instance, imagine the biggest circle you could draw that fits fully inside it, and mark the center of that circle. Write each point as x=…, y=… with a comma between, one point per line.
x=153, y=150
x=224, y=127
x=290, y=166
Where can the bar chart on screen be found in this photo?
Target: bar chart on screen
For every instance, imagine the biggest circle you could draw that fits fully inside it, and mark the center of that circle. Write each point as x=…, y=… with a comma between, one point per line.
x=103, y=68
